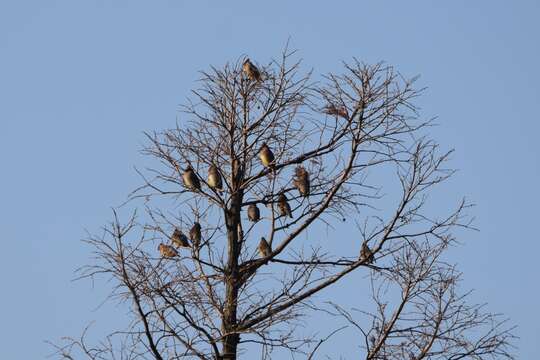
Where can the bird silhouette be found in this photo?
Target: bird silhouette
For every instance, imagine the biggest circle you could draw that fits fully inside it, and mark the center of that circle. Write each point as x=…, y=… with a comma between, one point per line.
x=264, y=248
x=366, y=253
x=167, y=251
x=251, y=70
x=190, y=179
x=179, y=239
x=283, y=205
x=253, y=212
x=267, y=156
x=301, y=182
x=214, y=178
x=195, y=234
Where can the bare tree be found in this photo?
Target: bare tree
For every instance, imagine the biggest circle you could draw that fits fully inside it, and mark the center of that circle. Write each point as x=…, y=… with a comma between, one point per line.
x=266, y=154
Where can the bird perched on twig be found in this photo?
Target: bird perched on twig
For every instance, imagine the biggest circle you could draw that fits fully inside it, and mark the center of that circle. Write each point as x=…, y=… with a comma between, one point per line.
x=253, y=213
x=251, y=70
x=195, y=234
x=332, y=109
x=167, y=251
x=366, y=253
x=302, y=181
x=190, y=179
x=283, y=205
x=264, y=248
x=267, y=156
x=179, y=239
x=214, y=178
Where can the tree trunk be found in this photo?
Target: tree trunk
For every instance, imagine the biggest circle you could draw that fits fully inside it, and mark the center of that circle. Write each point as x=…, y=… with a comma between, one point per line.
x=232, y=281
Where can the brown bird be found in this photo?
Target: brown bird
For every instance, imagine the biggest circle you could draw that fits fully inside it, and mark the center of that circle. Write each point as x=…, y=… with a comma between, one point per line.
x=251, y=70
x=179, y=239
x=284, y=207
x=190, y=179
x=264, y=248
x=214, y=178
x=266, y=155
x=167, y=251
x=366, y=253
x=195, y=234
x=332, y=109
x=253, y=212
x=302, y=181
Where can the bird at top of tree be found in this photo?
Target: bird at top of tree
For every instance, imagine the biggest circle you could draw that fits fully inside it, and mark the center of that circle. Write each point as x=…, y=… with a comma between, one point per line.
x=301, y=182
x=264, y=248
x=332, y=109
x=251, y=71
x=283, y=205
x=195, y=234
x=366, y=253
x=253, y=213
x=167, y=251
x=214, y=178
x=179, y=239
x=266, y=155
x=191, y=181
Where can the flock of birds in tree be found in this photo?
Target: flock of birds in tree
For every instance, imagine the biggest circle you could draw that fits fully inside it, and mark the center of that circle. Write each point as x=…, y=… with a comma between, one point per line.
x=214, y=180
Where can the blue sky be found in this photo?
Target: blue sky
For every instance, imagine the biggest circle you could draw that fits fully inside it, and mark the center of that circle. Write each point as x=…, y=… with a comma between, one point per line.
x=81, y=80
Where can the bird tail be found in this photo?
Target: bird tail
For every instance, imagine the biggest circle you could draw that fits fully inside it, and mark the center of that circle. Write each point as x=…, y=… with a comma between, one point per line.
x=272, y=173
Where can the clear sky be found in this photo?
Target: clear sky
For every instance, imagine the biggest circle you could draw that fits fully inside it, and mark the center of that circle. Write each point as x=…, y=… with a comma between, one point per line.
x=80, y=81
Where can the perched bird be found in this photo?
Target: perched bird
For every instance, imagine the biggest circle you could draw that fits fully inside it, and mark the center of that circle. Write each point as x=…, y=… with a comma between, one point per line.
x=266, y=155
x=366, y=253
x=253, y=213
x=251, y=70
x=214, y=178
x=195, y=234
x=179, y=239
x=302, y=181
x=190, y=179
x=264, y=248
x=332, y=109
x=284, y=207
x=167, y=251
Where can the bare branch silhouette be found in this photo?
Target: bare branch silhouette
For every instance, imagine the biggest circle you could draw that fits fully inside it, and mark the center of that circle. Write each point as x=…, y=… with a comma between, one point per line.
x=220, y=256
